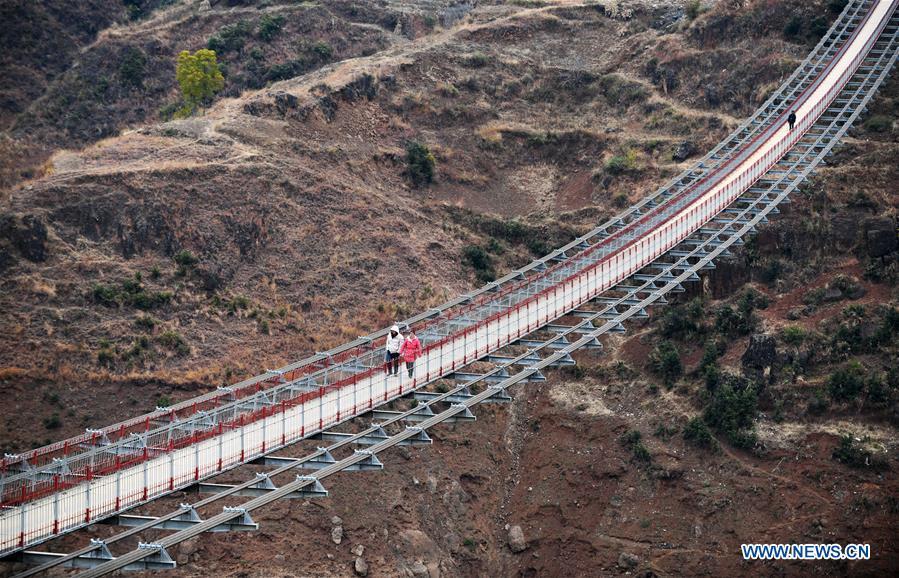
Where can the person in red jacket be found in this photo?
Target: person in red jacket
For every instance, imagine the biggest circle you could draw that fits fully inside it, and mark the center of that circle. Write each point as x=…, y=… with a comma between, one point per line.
x=410, y=350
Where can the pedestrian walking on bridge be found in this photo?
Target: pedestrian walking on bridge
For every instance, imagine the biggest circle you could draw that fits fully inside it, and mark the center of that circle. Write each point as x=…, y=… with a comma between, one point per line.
x=411, y=350
x=393, y=345
x=792, y=119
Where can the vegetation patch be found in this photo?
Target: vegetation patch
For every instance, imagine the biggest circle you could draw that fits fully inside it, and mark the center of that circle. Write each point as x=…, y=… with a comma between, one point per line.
x=420, y=163
x=632, y=440
x=849, y=453
x=130, y=292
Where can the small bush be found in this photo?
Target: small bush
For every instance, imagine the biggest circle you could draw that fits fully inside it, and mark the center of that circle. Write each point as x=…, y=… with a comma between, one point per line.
x=620, y=164
x=665, y=432
x=420, y=163
x=230, y=38
x=270, y=26
x=106, y=357
x=185, y=258
x=732, y=411
x=793, y=27
x=132, y=63
x=53, y=422
x=147, y=322
x=477, y=60
x=846, y=383
x=848, y=453
x=879, y=123
x=163, y=401
x=632, y=440
x=793, y=335
x=837, y=6
x=819, y=403
x=479, y=260
x=173, y=341
x=665, y=362
x=692, y=9
x=323, y=50
x=698, y=433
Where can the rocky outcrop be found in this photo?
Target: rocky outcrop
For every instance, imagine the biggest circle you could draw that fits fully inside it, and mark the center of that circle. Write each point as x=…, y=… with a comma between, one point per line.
x=27, y=234
x=683, y=151
x=760, y=357
x=880, y=236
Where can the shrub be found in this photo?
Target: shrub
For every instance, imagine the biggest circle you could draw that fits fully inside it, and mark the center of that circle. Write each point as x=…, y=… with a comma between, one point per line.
x=632, y=441
x=323, y=50
x=837, y=6
x=163, y=401
x=129, y=292
x=147, y=322
x=846, y=383
x=734, y=323
x=856, y=457
x=620, y=91
x=105, y=357
x=480, y=261
x=420, y=163
x=879, y=123
x=665, y=362
x=155, y=273
x=692, y=9
x=53, y=422
x=681, y=322
x=230, y=38
x=131, y=66
x=732, y=411
x=819, y=403
x=793, y=335
x=185, y=258
x=698, y=433
x=173, y=341
x=620, y=164
x=793, y=27
x=198, y=76
x=665, y=432
x=270, y=26
x=751, y=300
x=477, y=60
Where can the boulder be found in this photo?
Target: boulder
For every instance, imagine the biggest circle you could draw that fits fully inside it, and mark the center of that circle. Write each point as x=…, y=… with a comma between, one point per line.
x=360, y=567
x=760, y=356
x=683, y=151
x=628, y=561
x=517, y=543
x=880, y=236
x=358, y=550
x=337, y=534
x=418, y=569
x=29, y=236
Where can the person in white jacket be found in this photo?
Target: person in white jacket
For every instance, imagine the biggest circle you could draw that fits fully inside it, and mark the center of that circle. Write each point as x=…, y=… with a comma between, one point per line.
x=394, y=344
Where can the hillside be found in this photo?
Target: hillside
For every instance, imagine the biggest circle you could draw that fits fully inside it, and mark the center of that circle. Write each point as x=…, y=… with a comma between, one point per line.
x=145, y=260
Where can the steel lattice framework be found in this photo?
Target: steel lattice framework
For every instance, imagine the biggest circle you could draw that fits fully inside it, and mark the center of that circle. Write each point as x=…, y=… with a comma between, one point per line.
x=612, y=274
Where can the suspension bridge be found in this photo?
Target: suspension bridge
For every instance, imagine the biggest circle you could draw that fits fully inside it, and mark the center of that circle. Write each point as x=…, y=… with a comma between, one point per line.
x=530, y=319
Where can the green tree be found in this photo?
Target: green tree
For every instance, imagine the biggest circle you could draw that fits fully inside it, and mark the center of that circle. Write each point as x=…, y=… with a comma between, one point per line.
x=199, y=76
x=420, y=162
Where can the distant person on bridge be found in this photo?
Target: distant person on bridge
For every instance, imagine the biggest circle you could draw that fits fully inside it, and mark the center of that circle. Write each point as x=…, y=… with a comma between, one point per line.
x=411, y=350
x=792, y=119
x=394, y=345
